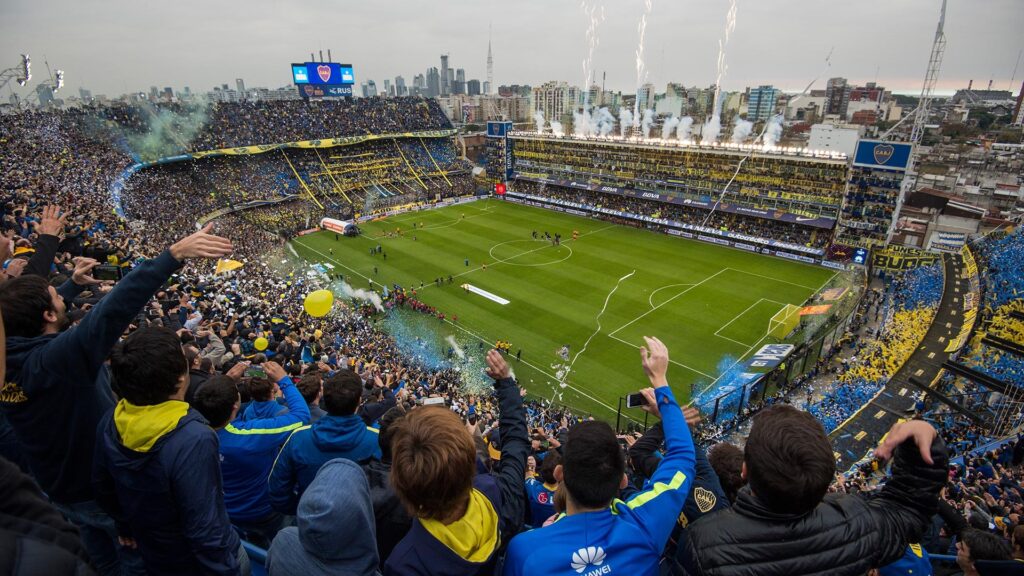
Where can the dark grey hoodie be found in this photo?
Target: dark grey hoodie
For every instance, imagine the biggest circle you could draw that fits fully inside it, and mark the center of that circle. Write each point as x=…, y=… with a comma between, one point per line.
x=335, y=533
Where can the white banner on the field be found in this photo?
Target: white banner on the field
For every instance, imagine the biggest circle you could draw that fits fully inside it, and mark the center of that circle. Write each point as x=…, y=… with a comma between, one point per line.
x=485, y=294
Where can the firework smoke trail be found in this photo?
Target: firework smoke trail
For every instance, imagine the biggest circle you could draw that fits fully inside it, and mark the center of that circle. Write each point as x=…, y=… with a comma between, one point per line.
x=641, y=74
x=772, y=131
x=594, y=14
x=739, y=166
x=668, y=127
x=538, y=120
x=741, y=131
x=607, y=299
x=360, y=294
x=455, y=347
x=625, y=120
x=713, y=127
x=683, y=130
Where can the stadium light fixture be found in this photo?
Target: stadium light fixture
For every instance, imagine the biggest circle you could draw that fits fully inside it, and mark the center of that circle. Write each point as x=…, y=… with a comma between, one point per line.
x=26, y=68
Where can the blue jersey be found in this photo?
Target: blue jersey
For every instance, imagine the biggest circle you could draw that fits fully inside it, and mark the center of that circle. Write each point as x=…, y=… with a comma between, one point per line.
x=627, y=537
x=542, y=501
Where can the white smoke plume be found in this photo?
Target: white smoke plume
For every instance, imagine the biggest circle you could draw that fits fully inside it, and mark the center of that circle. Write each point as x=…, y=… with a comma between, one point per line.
x=668, y=127
x=741, y=131
x=361, y=294
x=581, y=123
x=684, y=128
x=538, y=119
x=455, y=347
x=773, y=131
x=605, y=121
x=625, y=120
x=712, y=128
x=647, y=122
x=556, y=128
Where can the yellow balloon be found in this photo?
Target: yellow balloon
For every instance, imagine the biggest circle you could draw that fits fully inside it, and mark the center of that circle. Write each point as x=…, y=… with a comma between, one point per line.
x=317, y=333
x=261, y=343
x=318, y=303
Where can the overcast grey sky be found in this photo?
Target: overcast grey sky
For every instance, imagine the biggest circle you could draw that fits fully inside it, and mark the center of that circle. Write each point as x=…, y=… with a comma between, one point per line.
x=114, y=46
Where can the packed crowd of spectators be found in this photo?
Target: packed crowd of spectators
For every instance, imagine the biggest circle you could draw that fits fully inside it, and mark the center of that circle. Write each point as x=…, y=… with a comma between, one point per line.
x=213, y=126
x=907, y=310
x=718, y=221
x=166, y=413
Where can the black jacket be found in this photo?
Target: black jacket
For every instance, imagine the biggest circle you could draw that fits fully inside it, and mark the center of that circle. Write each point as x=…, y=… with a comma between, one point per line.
x=34, y=537
x=392, y=520
x=845, y=534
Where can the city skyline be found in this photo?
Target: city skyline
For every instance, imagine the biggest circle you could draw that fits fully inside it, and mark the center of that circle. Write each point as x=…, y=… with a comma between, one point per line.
x=114, y=48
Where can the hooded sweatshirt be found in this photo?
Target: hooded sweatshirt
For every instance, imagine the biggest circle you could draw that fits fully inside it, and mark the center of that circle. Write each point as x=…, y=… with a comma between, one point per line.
x=310, y=447
x=56, y=389
x=157, y=473
x=335, y=532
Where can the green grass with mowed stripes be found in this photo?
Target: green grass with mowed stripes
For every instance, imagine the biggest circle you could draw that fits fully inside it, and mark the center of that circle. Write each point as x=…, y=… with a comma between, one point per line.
x=710, y=304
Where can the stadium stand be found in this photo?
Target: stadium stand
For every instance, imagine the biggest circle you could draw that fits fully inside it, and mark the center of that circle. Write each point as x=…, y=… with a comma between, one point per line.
x=139, y=471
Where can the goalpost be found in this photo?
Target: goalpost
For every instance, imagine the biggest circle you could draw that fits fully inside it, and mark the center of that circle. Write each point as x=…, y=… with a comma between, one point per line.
x=784, y=321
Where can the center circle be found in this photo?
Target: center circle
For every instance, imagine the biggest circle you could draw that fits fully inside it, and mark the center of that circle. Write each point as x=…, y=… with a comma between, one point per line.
x=529, y=253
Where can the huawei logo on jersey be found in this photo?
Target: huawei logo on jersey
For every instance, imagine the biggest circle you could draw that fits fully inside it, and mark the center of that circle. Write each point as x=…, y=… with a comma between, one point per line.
x=590, y=556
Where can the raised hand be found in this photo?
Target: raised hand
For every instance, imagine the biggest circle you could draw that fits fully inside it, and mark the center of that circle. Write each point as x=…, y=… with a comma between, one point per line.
x=922, y=433
x=654, y=358
x=237, y=371
x=83, y=271
x=52, y=222
x=274, y=371
x=497, y=368
x=202, y=244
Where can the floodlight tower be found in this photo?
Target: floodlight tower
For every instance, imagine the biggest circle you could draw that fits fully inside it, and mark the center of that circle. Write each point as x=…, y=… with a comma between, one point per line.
x=22, y=73
x=930, y=78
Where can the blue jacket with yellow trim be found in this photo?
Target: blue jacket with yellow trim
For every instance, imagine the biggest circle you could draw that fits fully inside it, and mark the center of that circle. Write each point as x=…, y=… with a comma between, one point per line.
x=247, y=452
x=157, y=474
x=310, y=447
x=626, y=538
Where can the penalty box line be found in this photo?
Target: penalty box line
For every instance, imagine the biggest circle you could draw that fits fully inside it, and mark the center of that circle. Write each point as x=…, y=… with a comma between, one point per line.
x=737, y=317
x=634, y=320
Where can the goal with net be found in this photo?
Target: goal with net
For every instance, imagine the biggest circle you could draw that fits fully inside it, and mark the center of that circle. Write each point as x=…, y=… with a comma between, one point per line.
x=784, y=321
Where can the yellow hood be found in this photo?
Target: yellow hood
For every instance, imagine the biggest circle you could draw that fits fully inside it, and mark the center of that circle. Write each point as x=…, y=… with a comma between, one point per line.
x=473, y=537
x=141, y=426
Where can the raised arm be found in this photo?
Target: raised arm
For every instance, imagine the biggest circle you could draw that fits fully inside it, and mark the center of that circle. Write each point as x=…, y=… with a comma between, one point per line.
x=905, y=505
x=100, y=329
x=514, y=443
x=659, y=505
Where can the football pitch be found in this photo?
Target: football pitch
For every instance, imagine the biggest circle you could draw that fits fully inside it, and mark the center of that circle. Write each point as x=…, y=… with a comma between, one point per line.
x=599, y=294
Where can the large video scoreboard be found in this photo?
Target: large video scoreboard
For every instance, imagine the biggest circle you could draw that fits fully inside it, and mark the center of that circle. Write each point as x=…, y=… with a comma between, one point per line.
x=323, y=79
